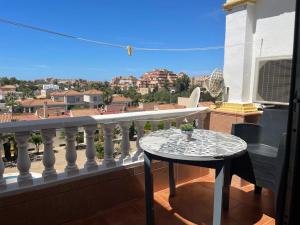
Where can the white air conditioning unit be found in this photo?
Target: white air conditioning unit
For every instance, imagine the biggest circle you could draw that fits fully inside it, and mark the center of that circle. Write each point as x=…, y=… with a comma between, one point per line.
x=273, y=81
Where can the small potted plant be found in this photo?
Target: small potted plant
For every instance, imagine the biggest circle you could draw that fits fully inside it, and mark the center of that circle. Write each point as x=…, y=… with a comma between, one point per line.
x=187, y=129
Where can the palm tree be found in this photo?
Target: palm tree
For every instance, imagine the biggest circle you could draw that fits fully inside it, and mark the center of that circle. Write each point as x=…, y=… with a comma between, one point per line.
x=11, y=102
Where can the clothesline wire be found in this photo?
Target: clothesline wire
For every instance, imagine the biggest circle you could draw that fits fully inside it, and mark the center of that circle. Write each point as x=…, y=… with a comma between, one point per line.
x=22, y=25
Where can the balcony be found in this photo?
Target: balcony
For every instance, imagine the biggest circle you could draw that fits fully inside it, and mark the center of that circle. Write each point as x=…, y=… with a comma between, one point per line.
x=111, y=191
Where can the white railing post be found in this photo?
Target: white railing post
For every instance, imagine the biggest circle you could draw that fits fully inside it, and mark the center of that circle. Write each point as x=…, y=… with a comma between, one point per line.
x=140, y=125
x=179, y=121
x=108, y=146
x=167, y=124
x=200, y=120
x=23, y=161
x=125, y=144
x=2, y=180
x=71, y=154
x=90, y=148
x=48, y=157
x=154, y=125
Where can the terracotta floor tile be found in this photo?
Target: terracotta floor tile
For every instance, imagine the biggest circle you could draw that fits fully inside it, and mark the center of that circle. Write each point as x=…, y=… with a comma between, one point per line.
x=193, y=204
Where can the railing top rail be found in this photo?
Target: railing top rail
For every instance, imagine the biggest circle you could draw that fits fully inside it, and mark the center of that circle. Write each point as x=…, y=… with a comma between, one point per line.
x=23, y=126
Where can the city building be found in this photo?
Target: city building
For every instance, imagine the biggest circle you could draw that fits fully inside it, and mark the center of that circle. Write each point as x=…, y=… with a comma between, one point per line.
x=71, y=98
x=6, y=89
x=157, y=78
x=48, y=89
x=32, y=105
x=93, y=98
x=124, y=82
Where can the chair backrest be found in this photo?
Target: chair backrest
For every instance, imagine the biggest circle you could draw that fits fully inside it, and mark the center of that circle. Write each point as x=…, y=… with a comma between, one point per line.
x=194, y=98
x=274, y=124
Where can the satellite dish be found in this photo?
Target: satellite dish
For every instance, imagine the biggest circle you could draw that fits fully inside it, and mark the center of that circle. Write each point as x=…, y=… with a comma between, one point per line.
x=216, y=83
x=194, y=98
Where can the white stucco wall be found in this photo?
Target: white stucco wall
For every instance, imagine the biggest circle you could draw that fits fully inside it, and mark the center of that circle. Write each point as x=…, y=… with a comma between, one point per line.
x=255, y=31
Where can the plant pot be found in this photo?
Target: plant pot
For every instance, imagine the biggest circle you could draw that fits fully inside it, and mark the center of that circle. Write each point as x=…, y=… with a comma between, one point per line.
x=188, y=134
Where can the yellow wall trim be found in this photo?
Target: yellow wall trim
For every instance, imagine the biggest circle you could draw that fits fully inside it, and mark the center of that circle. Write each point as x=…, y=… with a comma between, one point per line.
x=229, y=5
x=237, y=107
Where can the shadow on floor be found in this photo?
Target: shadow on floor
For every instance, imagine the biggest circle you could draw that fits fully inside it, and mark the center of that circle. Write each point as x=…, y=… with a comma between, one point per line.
x=193, y=204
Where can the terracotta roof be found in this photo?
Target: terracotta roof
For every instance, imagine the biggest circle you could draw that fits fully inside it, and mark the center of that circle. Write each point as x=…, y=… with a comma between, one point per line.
x=67, y=93
x=39, y=102
x=121, y=99
x=85, y=112
x=19, y=117
x=93, y=92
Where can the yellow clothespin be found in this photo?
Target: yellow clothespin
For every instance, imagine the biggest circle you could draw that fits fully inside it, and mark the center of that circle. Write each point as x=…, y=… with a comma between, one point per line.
x=129, y=50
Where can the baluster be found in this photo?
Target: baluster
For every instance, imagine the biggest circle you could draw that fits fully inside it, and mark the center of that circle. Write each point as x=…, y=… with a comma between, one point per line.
x=71, y=154
x=90, y=147
x=200, y=120
x=2, y=180
x=179, y=121
x=154, y=125
x=167, y=124
x=125, y=144
x=108, y=146
x=48, y=156
x=139, y=154
x=23, y=161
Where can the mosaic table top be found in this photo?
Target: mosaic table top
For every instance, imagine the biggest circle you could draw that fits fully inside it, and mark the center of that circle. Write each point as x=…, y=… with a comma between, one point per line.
x=203, y=145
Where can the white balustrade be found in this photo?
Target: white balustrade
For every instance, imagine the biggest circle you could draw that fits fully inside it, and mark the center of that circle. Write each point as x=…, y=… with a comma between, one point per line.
x=23, y=161
x=71, y=154
x=23, y=129
x=108, y=160
x=2, y=180
x=90, y=148
x=140, y=125
x=125, y=144
x=48, y=156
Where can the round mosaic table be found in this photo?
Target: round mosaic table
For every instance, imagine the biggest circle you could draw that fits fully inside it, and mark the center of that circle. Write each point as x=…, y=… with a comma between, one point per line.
x=205, y=148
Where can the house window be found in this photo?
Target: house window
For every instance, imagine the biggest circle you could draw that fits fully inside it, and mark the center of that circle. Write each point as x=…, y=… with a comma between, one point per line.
x=274, y=81
x=95, y=98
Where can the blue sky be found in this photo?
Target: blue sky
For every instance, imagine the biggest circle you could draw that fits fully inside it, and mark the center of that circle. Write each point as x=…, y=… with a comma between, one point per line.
x=28, y=54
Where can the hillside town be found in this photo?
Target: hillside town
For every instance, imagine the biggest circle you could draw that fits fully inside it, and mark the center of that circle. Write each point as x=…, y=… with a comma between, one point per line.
x=58, y=98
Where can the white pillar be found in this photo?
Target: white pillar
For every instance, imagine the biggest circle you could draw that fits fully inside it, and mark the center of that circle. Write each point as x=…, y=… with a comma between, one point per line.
x=23, y=161
x=238, y=52
x=140, y=125
x=90, y=152
x=71, y=154
x=125, y=144
x=48, y=157
x=108, y=146
x=2, y=181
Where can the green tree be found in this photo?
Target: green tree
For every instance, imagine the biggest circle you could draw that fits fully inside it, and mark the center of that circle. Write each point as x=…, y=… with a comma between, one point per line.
x=182, y=83
x=37, y=140
x=11, y=102
x=166, y=85
x=107, y=96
